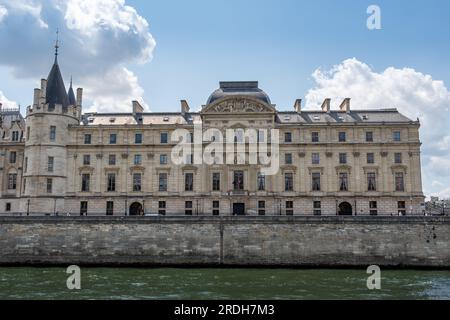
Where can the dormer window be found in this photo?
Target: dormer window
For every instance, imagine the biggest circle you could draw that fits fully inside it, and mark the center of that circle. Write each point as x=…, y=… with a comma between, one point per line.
x=166, y=119
x=112, y=120
x=91, y=120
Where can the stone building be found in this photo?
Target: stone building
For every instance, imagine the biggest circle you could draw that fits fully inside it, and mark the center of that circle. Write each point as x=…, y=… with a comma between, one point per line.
x=348, y=162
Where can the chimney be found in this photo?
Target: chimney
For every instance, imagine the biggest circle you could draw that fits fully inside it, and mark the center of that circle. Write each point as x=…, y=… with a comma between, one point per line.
x=298, y=105
x=326, y=105
x=79, y=97
x=43, y=88
x=345, y=105
x=137, y=108
x=184, y=107
x=37, y=94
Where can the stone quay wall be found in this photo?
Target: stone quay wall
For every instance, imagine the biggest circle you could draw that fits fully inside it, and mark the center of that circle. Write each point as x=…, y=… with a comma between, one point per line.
x=227, y=241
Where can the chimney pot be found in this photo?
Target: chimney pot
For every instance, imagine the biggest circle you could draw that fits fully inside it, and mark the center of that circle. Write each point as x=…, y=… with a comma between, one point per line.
x=184, y=107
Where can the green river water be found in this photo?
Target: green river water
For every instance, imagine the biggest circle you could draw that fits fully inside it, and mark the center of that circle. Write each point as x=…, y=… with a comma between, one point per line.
x=171, y=283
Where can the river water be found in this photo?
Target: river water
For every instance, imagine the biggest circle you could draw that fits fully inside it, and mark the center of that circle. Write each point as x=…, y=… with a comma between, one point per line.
x=171, y=283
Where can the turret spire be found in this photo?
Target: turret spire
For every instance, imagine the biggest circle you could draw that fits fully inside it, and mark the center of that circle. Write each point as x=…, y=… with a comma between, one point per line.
x=56, y=46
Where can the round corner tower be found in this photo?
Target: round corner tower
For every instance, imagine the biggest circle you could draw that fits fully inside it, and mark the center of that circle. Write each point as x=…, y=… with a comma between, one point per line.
x=47, y=135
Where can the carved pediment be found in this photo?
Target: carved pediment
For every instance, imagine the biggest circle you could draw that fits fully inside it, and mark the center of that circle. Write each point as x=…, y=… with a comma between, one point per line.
x=238, y=105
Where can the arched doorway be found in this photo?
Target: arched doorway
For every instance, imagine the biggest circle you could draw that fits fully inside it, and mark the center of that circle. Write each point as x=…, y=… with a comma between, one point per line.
x=136, y=209
x=345, y=209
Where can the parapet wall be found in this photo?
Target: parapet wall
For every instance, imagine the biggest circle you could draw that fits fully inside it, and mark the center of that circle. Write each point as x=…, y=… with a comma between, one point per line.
x=229, y=241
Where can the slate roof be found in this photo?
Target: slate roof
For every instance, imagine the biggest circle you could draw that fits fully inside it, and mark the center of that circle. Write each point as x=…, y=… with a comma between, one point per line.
x=246, y=88
x=56, y=91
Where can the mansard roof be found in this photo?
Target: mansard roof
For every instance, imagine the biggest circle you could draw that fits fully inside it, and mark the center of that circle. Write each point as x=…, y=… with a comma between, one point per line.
x=307, y=117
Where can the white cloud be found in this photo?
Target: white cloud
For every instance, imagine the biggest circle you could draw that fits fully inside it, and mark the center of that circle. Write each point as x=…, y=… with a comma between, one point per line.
x=3, y=12
x=413, y=93
x=98, y=39
x=7, y=103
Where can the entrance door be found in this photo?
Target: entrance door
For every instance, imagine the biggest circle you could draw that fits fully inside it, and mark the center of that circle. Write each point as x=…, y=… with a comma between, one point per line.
x=136, y=209
x=239, y=209
x=345, y=209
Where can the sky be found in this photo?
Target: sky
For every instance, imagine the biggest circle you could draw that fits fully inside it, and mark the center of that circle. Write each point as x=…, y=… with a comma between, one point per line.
x=159, y=52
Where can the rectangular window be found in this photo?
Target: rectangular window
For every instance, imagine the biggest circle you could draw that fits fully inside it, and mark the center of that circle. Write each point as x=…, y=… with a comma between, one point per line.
x=398, y=157
x=49, y=185
x=8, y=207
x=28, y=133
x=12, y=181
x=369, y=136
x=137, y=182
x=315, y=158
x=15, y=136
x=50, y=164
x=216, y=208
x=238, y=181
x=189, y=182
x=162, y=208
x=163, y=159
x=261, y=208
x=288, y=137
x=163, y=182
x=317, y=208
x=401, y=208
x=373, y=211
x=164, y=137
x=315, y=176
x=25, y=169
x=109, y=208
x=52, y=133
x=288, y=181
x=83, y=208
x=87, y=138
x=85, y=182
x=342, y=136
x=111, y=183
x=112, y=160
x=188, y=208
x=370, y=158
x=261, y=182
x=397, y=136
x=314, y=136
x=343, y=181
x=399, y=182
x=216, y=181
x=371, y=181
x=288, y=158
x=113, y=138
x=137, y=159
x=86, y=160
x=12, y=157
x=138, y=138
x=289, y=208
x=342, y=158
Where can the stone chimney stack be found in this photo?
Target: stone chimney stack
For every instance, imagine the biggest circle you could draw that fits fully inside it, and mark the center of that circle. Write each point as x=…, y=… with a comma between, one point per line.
x=79, y=97
x=137, y=108
x=326, y=105
x=298, y=105
x=345, y=105
x=184, y=107
x=43, y=88
x=37, y=95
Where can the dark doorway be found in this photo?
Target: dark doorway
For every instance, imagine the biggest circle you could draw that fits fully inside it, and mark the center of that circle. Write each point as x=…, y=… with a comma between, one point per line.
x=239, y=209
x=136, y=209
x=345, y=209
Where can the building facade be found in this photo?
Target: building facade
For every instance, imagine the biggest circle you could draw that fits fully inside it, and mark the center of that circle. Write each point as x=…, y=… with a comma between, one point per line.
x=332, y=162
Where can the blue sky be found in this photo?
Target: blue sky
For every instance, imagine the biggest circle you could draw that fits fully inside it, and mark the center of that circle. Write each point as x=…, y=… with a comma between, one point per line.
x=162, y=51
